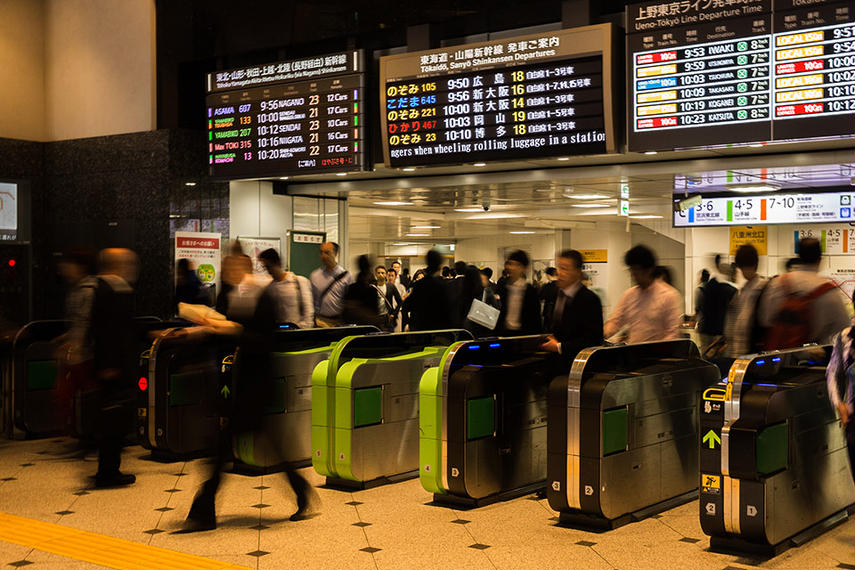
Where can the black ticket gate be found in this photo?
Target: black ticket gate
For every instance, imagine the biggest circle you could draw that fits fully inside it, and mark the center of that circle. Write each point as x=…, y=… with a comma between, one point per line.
x=623, y=432
x=31, y=383
x=484, y=423
x=774, y=464
x=182, y=391
x=285, y=437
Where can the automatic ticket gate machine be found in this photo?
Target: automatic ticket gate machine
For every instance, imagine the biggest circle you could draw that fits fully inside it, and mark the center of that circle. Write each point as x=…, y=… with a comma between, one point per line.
x=623, y=432
x=34, y=396
x=285, y=437
x=483, y=421
x=365, y=406
x=774, y=464
x=182, y=392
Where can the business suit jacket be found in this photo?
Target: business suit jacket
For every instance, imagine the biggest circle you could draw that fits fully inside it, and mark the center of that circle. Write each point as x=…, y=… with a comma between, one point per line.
x=530, y=317
x=580, y=324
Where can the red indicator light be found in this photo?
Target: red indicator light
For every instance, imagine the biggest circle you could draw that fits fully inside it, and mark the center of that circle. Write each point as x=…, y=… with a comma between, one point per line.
x=12, y=263
x=143, y=383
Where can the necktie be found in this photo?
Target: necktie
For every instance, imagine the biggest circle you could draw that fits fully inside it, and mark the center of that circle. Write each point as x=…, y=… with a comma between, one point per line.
x=560, y=301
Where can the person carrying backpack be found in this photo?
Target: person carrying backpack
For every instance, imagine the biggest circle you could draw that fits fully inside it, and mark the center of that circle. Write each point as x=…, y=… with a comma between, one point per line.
x=713, y=298
x=802, y=307
x=840, y=376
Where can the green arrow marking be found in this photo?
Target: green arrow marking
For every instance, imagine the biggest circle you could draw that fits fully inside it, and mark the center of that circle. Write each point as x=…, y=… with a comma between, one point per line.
x=712, y=438
x=225, y=391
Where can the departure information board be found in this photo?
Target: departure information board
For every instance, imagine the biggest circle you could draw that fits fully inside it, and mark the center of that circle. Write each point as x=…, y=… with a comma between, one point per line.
x=706, y=72
x=768, y=209
x=288, y=118
x=544, y=95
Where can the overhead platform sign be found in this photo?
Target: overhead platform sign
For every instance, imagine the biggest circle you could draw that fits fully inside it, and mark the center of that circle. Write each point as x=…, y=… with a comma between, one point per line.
x=293, y=117
x=535, y=96
x=774, y=208
x=706, y=73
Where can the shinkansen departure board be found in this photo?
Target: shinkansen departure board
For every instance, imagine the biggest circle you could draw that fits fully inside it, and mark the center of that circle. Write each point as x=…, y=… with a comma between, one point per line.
x=296, y=117
x=544, y=95
x=711, y=72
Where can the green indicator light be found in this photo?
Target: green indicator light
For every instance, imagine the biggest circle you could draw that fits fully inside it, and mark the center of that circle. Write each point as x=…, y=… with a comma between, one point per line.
x=356, y=107
x=742, y=59
x=742, y=87
x=210, y=136
x=730, y=210
x=742, y=46
x=356, y=147
x=742, y=73
x=742, y=101
x=356, y=121
x=742, y=115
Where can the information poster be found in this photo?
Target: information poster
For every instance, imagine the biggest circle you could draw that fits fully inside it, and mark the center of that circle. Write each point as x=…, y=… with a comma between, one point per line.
x=711, y=73
x=292, y=117
x=768, y=209
x=543, y=95
x=253, y=246
x=203, y=251
x=596, y=272
x=8, y=211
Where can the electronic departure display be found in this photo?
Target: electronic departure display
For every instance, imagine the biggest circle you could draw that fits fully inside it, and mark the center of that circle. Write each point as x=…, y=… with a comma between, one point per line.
x=707, y=72
x=288, y=118
x=768, y=209
x=544, y=95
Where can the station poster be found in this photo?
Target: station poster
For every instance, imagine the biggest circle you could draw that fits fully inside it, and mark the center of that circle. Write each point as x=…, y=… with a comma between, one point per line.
x=758, y=236
x=253, y=246
x=203, y=251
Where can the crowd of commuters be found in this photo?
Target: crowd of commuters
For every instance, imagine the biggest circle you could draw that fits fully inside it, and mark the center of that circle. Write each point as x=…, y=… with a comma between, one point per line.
x=795, y=308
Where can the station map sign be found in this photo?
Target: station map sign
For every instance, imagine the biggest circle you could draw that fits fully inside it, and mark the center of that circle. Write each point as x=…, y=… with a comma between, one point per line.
x=543, y=95
x=294, y=117
x=712, y=72
x=771, y=208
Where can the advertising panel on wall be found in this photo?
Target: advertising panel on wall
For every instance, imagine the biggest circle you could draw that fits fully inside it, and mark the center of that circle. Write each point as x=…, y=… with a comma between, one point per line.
x=202, y=249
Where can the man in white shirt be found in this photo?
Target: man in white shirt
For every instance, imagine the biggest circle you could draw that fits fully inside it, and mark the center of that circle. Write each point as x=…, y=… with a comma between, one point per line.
x=652, y=309
x=293, y=292
x=329, y=284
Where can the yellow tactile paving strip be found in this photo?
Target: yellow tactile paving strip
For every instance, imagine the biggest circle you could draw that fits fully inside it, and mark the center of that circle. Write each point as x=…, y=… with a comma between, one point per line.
x=100, y=549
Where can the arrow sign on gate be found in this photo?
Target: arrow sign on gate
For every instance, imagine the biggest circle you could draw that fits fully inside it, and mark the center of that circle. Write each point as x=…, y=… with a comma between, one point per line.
x=712, y=438
x=225, y=391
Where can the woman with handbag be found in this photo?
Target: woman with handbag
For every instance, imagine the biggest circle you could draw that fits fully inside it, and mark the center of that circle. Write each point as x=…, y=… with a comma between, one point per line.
x=478, y=305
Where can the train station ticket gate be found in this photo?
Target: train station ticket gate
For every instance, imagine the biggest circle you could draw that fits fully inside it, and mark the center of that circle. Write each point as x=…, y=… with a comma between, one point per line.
x=365, y=406
x=774, y=465
x=623, y=432
x=34, y=395
x=182, y=392
x=285, y=437
x=483, y=421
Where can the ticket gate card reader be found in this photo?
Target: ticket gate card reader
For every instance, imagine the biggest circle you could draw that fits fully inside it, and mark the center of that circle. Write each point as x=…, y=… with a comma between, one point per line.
x=780, y=475
x=623, y=432
x=365, y=406
x=178, y=416
x=483, y=421
x=285, y=437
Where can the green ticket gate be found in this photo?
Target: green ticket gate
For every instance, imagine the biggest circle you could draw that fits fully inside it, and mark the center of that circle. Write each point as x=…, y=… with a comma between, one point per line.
x=285, y=437
x=483, y=420
x=774, y=464
x=32, y=384
x=623, y=432
x=365, y=406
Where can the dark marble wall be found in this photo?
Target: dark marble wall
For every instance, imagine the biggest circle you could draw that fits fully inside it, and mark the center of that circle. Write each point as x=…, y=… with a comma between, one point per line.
x=108, y=191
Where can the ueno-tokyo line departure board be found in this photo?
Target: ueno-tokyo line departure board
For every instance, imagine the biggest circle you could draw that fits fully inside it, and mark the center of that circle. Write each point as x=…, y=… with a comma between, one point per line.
x=296, y=117
x=711, y=72
x=544, y=95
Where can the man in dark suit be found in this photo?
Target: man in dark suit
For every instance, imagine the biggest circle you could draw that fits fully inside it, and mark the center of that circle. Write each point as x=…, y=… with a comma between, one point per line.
x=428, y=305
x=520, y=306
x=577, y=322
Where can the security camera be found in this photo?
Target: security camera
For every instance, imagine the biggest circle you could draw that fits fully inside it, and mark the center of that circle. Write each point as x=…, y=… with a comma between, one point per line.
x=486, y=206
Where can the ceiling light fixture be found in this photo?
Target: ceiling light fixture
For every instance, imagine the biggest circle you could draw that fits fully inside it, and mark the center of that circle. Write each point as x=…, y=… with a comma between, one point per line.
x=470, y=209
x=189, y=184
x=753, y=188
x=409, y=169
x=563, y=158
x=756, y=145
x=393, y=203
x=425, y=227
x=480, y=164
x=586, y=196
x=651, y=152
x=521, y=232
x=646, y=217
x=401, y=243
x=418, y=235
x=590, y=206
x=601, y=212
x=284, y=177
x=341, y=173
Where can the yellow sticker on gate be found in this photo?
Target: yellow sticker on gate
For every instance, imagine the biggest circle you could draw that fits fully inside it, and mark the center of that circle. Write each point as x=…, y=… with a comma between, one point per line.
x=710, y=481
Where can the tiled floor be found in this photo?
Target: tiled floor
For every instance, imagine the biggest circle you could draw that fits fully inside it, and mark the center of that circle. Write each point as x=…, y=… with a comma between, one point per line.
x=388, y=528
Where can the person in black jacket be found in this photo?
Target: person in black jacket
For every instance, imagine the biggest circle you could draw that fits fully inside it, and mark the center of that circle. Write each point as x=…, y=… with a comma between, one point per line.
x=519, y=301
x=577, y=321
x=428, y=305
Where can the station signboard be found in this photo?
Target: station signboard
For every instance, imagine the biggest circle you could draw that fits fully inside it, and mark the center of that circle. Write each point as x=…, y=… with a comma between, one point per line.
x=288, y=118
x=706, y=73
x=535, y=96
